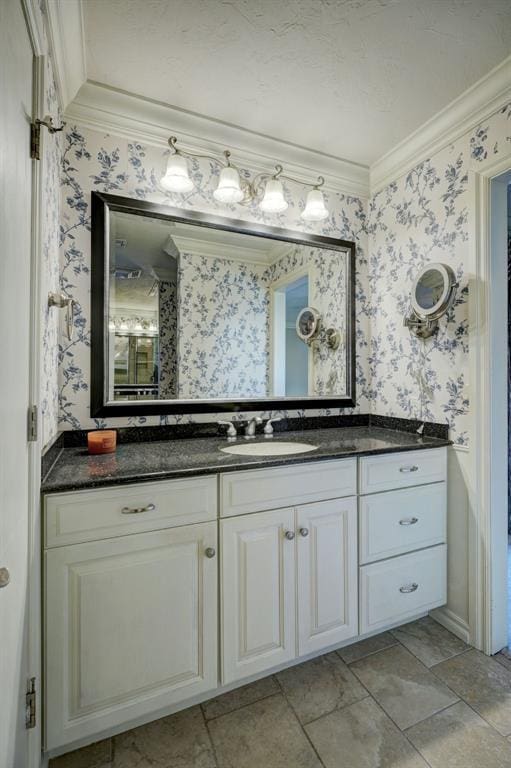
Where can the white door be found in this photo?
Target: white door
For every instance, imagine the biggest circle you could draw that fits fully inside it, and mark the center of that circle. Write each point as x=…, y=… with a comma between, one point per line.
x=15, y=259
x=257, y=593
x=327, y=573
x=131, y=627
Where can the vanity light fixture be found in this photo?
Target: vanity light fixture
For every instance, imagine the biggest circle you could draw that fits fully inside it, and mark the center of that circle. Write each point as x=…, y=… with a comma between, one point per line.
x=315, y=208
x=266, y=188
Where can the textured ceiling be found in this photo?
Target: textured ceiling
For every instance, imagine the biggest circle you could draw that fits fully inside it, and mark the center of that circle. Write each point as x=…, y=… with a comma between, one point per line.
x=350, y=78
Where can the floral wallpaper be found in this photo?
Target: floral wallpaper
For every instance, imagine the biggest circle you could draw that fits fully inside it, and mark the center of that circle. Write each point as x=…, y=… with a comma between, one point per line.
x=167, y=327
x=95, y=161
x=49, y=271
x=223, y=328
x=423, y=217
x=420, y=217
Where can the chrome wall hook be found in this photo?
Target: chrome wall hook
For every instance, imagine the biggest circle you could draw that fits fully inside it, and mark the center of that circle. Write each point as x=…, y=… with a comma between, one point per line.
x=62, y=301
x=35, y=134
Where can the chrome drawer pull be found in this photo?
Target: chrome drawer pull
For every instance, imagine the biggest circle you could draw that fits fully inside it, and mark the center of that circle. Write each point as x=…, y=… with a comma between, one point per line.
x=409, y=588
x=413, y=468
x=409, y=521
x=137, y=510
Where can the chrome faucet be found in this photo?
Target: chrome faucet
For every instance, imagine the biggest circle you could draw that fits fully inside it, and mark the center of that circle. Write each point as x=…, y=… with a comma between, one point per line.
x=250, y=429
x=268, y=427
x=231, y=430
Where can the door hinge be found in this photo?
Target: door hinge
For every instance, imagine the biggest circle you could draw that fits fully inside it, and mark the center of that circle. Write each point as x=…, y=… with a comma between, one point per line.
x=30, y=704
x=32, y=423
x=35, y=140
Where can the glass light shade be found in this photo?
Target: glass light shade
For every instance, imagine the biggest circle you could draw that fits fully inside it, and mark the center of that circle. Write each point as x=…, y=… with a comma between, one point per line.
x=176, y=177
x=273, y=200
x=315, y=209
x=229, y=187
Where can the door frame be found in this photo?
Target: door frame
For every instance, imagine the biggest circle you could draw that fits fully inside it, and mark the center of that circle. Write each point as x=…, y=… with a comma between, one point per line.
x=34, y=616
x=488, y=430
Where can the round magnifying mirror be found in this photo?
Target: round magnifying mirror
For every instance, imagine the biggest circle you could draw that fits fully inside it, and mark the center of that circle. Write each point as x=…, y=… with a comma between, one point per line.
x=434, y=290
x=308, y=324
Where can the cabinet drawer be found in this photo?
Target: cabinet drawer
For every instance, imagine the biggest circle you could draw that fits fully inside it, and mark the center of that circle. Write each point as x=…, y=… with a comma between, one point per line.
x=397, y=522
x=394, y=590
x=261, y=489
x=105, y=512
x=401, y=470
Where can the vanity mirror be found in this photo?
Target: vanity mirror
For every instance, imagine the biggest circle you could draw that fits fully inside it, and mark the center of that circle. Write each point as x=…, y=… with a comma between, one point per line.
x=196, y=313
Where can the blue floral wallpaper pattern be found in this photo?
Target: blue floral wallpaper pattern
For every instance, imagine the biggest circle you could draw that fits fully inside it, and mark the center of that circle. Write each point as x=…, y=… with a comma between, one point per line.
x=420, y=217
x=167, y=327
x=423, y=217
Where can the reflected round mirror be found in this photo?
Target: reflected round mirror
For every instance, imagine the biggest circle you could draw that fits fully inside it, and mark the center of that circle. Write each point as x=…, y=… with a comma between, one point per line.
x=308, y=324
x=434, y=290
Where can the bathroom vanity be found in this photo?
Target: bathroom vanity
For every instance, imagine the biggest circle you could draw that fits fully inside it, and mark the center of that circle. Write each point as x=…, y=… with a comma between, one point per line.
x=174, y=571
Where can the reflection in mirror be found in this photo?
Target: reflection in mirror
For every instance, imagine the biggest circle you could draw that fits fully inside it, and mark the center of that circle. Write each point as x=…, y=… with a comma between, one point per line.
x=198, y=312
x=430, y=289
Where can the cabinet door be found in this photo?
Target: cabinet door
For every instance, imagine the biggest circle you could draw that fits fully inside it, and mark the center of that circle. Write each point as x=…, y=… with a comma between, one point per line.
x=258, y=592
x=131, y=627
x=327, y=573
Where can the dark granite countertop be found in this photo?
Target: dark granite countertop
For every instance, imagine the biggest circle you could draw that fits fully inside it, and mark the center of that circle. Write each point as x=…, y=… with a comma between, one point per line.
x=138, y=462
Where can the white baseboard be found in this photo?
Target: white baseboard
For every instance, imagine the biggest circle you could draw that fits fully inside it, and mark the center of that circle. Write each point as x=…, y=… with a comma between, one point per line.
x=453, y=623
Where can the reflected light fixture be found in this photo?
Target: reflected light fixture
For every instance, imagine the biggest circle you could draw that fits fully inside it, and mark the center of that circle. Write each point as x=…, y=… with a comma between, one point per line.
x=266, y=189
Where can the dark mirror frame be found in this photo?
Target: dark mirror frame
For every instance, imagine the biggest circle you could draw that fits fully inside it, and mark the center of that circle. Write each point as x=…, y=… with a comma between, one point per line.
x=102, y=204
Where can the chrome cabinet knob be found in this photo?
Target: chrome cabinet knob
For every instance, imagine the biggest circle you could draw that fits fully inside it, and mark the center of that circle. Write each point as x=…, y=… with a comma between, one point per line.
x=304, y=532
x=289, y=535
x=137, y=510
x=5, y=577
x=210, y=552
x=409, y=588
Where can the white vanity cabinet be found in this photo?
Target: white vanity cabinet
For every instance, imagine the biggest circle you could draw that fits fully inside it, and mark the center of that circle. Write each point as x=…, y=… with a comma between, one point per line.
x=289, y=584
x=162, y=594
x=131, y=622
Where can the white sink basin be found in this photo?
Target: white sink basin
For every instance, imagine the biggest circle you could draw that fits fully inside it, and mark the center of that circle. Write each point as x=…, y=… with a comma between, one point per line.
x=269, y=448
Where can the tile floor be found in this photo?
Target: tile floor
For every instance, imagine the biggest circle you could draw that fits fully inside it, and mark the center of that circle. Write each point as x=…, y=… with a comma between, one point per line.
x=410, y=698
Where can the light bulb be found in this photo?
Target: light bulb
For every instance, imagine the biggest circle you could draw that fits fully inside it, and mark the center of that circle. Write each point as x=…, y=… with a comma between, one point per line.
x=229, y=187
x=273, y=200
x=176, y=177
x=315, y=209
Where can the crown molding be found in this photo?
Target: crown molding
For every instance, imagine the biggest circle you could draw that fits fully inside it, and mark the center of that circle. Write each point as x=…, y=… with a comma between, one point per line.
x=462, y=115
x=109, y=110
x=67, y=46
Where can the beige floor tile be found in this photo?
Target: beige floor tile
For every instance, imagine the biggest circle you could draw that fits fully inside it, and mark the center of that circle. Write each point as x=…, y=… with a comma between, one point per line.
x=483, y=683
x=240, y=697
x=320, y=686
x=366, y=647
x=263, y=735
x=459, y=738
x=178, y=741
x=407, y=691
x=503, y=659
x=94, y=756
x=429, y=641
x=362, y=736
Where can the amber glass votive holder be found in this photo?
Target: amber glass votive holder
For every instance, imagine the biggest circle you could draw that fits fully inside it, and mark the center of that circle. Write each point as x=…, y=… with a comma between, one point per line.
x=102, y=441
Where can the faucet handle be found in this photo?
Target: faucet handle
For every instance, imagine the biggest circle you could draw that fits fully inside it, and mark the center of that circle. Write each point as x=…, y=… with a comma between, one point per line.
x=231, y=429
x=268, y=427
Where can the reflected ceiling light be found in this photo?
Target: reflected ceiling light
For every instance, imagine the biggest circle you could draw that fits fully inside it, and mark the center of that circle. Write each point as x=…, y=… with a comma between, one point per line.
x=273, y=200
x=315, y=208
x=265, y=189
